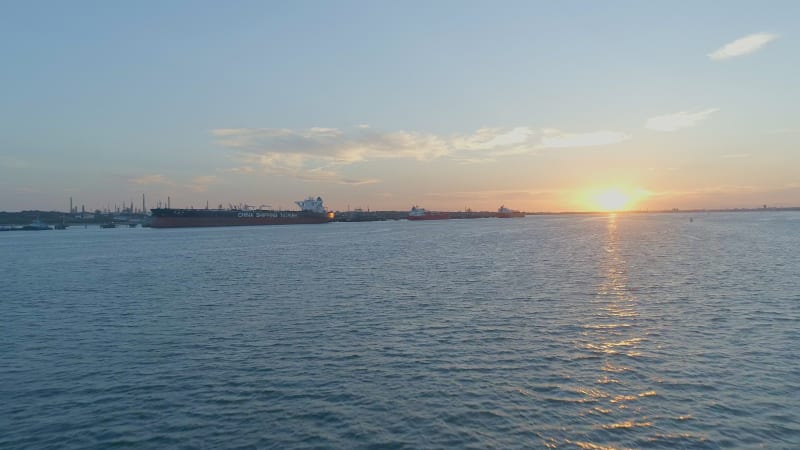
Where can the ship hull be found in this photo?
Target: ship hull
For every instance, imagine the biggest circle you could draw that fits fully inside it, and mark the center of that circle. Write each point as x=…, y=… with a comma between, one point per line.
x=182, y=218
x=451, y=215
x=430, y=216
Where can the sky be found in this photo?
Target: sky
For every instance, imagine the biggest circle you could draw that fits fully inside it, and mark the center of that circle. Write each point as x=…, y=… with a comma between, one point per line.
x=535, y=105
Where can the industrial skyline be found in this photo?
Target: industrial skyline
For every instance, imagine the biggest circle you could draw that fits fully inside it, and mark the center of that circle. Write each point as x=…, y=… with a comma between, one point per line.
x=541, y=106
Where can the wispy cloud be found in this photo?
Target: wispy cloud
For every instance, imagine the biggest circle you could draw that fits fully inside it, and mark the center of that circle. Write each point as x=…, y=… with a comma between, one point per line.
x=742, y=46
x=468, y=160
x=204, y=179
x=355, y=181
x=678, y=120
x=333, y=143
x=243, y=169
x=317, y=154
x=558, y=139
x=492, y=139
x=201, y=183
x=152, y=179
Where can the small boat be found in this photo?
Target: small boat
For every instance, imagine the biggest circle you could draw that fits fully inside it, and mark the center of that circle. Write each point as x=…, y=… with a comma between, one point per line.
x=132, y=225
x=108, y=225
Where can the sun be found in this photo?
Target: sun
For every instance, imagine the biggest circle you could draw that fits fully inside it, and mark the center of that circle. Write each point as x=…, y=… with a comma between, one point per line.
x=612, y=199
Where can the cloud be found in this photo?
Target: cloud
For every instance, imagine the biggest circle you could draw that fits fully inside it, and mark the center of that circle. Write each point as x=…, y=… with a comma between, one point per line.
x=204, y=179
x=558, y=139
x=318, y=154
x=475, y=160
x=201, y=183
x=243, y=169
x=742, y=46
x=678, y=120
x=332, y=143
x=357, y=181
x=494, y=139
x=151, y=179
x=325, y=175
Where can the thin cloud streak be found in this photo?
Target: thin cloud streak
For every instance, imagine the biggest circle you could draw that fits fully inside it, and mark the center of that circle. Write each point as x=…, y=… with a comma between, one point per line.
x=678, y=120
x=201, y=183
x=147, y=180
x=333, y=143
x=559, y=139
x=243, y=169
x=316, y=154
x=742, y=46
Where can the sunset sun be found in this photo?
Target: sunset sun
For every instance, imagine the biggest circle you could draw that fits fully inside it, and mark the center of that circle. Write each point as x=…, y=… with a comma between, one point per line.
x=612, y=200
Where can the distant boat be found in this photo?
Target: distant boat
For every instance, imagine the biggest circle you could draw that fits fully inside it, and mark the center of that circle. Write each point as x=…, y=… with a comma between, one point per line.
x=505, y=213
x=108, y=225
x=418, y=213
x=36, y=225
x=132, y=225
x=60, y=226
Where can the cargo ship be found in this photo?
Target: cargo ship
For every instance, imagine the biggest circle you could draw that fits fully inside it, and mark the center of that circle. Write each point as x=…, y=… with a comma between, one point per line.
x=418, y=213
x=506, y=213
x=311, y=211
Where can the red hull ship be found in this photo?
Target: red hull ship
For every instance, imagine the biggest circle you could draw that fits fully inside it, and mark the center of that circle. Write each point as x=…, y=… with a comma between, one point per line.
x=312, y=211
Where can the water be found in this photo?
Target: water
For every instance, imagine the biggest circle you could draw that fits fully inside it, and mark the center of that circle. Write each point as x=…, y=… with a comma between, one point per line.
x=559, y=331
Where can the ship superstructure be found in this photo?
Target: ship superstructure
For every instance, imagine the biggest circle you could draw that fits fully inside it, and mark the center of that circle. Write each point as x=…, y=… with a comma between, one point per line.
x=507, y=213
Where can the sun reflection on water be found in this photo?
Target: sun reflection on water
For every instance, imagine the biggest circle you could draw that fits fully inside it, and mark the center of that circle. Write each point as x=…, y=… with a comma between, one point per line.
x=614, y=334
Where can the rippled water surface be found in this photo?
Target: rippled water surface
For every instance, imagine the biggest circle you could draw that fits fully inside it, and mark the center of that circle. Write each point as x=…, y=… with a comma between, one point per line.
x=549, y=331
